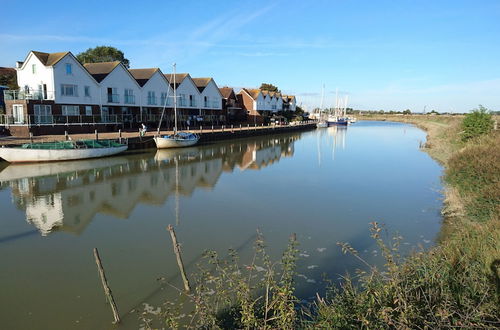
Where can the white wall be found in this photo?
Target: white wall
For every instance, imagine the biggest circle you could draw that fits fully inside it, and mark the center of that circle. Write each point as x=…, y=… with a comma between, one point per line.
x=43, y=75
x=79, y=77
x=120, y=78
x=259, y=103
x=187, y=87
x=159, y=84
x=292, y=104
x=214, y=96
x=279, y=103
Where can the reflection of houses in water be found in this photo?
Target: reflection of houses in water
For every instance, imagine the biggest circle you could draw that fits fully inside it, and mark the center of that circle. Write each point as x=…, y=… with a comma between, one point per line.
x=68, y=195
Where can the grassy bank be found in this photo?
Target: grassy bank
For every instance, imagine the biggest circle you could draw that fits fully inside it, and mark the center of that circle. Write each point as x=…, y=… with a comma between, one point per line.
x=457, y=283
x=454, y=284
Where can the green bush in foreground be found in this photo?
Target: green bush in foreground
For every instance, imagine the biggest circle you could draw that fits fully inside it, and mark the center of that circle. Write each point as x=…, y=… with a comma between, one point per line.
x=476, y=123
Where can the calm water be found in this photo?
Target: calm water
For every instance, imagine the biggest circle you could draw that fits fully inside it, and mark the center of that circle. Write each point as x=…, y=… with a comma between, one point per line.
x=325, y=185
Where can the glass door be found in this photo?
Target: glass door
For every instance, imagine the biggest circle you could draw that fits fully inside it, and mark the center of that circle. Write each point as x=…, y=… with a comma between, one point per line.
x=18, y=113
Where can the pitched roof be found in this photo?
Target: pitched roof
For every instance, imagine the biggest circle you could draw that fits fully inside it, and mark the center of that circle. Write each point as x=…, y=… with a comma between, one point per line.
x=179, y=78
x=226, y=92
x=7, y=71
x=49, y=59
x=100, y=70
x=143, y=75
x=201, y=83
x=254, y=93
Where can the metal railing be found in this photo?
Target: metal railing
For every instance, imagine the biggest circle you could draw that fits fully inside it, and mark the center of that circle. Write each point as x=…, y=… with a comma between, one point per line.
x=152, y=100
x=51, y=120
x=129, y=99
x=113, y=98
x=23, y=95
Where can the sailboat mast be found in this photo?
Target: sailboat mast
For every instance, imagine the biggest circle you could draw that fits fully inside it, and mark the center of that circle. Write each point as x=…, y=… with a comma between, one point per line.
x=321, y=106
x=175, y=104
x=336, y=101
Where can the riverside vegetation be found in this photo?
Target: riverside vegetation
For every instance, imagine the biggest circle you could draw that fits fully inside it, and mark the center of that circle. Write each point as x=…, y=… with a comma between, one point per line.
x=454, y=284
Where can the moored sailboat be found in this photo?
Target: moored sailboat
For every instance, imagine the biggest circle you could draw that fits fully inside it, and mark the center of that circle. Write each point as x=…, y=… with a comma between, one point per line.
x=177, y=139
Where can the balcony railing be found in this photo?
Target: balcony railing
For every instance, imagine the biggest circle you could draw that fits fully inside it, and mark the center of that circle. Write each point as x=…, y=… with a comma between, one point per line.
x=152, y=100
x=129, y=99
x=192, y=103
x=22, y=95
x=51, y=120
x=113, y=98
x=182, y=103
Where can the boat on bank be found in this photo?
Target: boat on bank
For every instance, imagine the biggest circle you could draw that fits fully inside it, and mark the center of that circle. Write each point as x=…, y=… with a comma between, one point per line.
x=61, y=150
x=177, y=139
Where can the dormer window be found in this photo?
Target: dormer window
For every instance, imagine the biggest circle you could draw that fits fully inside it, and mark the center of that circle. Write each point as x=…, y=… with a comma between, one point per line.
x=69, y=69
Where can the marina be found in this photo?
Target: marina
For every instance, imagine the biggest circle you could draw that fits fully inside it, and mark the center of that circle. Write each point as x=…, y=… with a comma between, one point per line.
x=216, y=196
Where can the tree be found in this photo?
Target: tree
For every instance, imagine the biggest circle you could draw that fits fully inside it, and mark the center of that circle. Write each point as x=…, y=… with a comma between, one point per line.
x=269, y=87
x=407, y=112
x=476, y=123
x=9, y=80
x=102, y=54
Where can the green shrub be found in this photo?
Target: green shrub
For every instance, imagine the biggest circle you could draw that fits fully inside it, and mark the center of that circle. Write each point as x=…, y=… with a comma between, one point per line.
x=476, y=123
x=475, y=172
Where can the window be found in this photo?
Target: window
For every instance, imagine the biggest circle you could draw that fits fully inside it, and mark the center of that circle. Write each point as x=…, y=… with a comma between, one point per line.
x=151, y=98
x=182, y=98
x=164, y=99
x=33, y=68
x=18, y=113
x=129, y=96
x=113, y=96
x=70, y=110
x=43, y=114
x=88, y=110
x=87, y=91
x=69, y=90
x=192, y=101
x=207, y=103
x=69, y=69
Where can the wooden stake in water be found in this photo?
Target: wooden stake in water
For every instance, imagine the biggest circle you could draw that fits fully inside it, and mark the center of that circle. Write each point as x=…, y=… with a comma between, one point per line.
x=177, y=251
x=107, y=290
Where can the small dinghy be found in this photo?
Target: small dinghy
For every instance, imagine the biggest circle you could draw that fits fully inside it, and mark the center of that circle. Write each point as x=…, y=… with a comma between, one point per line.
x=61, y=150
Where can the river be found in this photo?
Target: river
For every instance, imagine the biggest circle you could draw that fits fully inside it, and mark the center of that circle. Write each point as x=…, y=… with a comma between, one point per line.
x=325, y=185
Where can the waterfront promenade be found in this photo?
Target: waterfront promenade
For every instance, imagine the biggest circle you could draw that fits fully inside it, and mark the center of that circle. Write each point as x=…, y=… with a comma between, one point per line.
x=207, y=134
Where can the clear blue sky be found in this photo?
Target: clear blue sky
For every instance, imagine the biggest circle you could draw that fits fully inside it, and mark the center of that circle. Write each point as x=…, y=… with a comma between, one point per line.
x=384, y=54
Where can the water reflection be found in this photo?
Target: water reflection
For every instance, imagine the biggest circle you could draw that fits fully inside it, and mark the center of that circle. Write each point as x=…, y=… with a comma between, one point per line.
x=66, y=196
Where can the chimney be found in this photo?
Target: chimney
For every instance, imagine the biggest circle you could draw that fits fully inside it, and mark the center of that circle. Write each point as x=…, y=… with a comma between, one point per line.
x=19, y=64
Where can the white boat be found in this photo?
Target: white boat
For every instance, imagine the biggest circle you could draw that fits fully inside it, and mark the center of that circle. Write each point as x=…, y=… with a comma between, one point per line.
x=322, y=124
x=61, y=150
x=181, y=139
x=178, y=139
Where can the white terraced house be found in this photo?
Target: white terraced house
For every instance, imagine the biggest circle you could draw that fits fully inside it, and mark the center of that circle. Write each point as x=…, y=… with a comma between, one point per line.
x=58, y=94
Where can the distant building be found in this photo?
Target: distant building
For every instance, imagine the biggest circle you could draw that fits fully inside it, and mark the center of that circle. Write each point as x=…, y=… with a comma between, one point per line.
x=231, y=106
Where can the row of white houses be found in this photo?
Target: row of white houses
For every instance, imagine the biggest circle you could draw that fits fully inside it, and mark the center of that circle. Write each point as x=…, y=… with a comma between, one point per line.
x=55, y=88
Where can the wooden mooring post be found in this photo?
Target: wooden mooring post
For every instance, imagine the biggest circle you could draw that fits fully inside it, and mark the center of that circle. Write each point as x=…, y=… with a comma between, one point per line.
x=177, y=251
x=107, y=290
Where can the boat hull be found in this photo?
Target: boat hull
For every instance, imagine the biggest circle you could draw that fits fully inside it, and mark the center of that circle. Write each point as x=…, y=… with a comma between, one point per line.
x=20, y=155
x=322, y=125
x=165, y=143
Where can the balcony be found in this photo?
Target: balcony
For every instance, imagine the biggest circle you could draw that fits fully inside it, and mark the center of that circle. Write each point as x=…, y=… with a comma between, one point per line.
x=129, y=99
x=215, y=105
x=52, y=120
x=22, y=95
x=152, y=100
x=192, y=103
x=182, y=103
x=113, y=98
